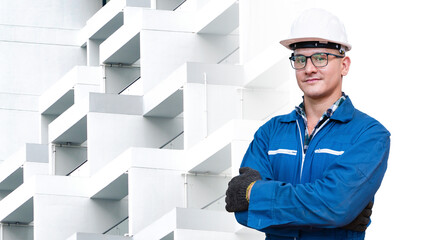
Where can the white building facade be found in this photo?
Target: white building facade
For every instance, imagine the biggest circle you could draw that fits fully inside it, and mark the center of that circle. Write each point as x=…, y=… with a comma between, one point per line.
x=127, y=119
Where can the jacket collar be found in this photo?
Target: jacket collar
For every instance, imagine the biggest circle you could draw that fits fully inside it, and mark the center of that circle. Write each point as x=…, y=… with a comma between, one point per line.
x=344, y=113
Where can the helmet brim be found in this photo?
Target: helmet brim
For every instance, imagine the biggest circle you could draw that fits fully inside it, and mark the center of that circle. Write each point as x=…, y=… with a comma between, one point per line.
x=288, y=42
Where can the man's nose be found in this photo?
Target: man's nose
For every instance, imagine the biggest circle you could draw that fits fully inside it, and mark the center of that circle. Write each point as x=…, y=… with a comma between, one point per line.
x=309, y=67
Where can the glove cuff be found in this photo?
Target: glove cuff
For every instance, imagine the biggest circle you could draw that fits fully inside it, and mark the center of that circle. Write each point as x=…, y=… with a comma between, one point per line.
x=247, y=190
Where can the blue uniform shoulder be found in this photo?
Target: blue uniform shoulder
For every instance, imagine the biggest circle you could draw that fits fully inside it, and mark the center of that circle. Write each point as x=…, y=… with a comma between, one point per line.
x=368, y=122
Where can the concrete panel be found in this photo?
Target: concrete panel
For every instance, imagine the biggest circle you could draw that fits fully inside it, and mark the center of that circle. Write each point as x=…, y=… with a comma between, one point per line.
x=18, y=205
x=58, y=217
x=48, y=13
x=122, y=47
x=189, y=234
x=23, y=214
x=29, y=161
x=70, y=127
x=117, y=104
x=95, y=236
x=67, y=158
x=162, y=52
x=268, y=69
x=37, y=153
x=38, y=35
x=215, y=164
x=66, y=91
x=203, y=155
x=204, y=190
x=192, y=5
x=218, y=17
x=19, y=102
x=13, y=180
x=103, y=23
x=153, y=193
x=238, y=150
x=167, y=20
x=111, y=134
x=216, y=74
x=215, y=223
x=43, y=64
x=167, y=4
x=260, y=104
x=111, y=182
x=206, y=108
x=17, y=128
x=32, y=169
x=16, y=232
x=166, y=98
x=261, y=25
x=115, y=190
x=118, y=78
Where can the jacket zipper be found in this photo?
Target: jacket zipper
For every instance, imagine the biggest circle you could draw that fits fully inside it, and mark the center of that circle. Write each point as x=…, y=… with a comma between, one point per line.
x=302, y=144
x=302, y=151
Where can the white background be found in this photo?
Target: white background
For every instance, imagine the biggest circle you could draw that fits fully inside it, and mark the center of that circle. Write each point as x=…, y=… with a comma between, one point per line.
x=387, y=80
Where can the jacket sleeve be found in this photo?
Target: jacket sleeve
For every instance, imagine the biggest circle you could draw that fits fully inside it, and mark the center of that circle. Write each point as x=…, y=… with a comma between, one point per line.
x=332, y=201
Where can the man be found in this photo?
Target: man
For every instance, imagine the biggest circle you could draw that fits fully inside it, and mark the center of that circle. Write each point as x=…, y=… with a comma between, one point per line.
x=313, y=173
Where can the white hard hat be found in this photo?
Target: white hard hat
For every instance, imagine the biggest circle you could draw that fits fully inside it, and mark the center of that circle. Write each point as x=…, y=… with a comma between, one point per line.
x=317, y=28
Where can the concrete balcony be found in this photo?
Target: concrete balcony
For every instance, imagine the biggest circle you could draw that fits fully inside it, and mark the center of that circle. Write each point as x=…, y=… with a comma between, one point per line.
x=95, y=236
x=107, y=20
x=223, y=149
x=218, y=17
x=263, y=70
x=71, y=126
x=166, y=99
x=112, y=181
x=71, y=88
x=31, y=160
x=18, y=206
x=123, y=45
x=185, y=224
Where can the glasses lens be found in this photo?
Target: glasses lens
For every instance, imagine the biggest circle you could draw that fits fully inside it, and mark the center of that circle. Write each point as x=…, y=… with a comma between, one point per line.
x=320, y=59
x=299, y=61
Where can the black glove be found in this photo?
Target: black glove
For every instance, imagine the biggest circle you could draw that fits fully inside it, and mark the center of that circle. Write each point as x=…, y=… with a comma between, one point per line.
x=236, y=193
x=360, y=223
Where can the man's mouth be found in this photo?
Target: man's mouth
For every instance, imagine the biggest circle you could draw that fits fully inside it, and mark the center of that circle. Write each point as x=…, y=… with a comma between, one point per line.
x=312, y=80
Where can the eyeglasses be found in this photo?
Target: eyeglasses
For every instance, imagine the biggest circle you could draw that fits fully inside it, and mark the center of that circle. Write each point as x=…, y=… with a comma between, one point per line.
x=318, y=60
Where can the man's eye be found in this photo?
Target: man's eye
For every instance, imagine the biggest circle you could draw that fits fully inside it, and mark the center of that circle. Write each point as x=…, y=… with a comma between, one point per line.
x=320, y=57
x=300, y=59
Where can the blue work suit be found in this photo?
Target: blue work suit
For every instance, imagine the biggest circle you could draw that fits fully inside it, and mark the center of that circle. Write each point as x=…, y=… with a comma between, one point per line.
x=311, y=195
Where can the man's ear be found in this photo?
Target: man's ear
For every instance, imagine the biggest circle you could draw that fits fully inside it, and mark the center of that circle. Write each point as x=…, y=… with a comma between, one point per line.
x=345, y=65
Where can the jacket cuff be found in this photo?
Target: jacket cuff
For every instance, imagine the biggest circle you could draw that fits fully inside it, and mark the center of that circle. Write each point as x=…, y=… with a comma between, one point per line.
x=260, y=212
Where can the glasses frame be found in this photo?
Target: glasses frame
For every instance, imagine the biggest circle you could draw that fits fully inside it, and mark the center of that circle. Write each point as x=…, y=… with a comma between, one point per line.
x=293, y=56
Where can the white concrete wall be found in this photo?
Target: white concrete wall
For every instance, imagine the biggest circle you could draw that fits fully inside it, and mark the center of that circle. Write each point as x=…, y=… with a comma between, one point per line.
x=37, y=41
x=118, y=132
x=16, y=232
x=162, y=52
x=203, y=190
x=153, y=193
x=48, y=13
x=67, y=158
x=17, y=128
x=118, y=78
x=37, y=46
x=59, y=216
x=205, y=111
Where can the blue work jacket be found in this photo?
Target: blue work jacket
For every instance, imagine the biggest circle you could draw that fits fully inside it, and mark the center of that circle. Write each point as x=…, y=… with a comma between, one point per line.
x=311, y=195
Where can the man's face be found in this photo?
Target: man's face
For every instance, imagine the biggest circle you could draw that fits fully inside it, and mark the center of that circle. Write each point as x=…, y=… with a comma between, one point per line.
x=322, y=82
